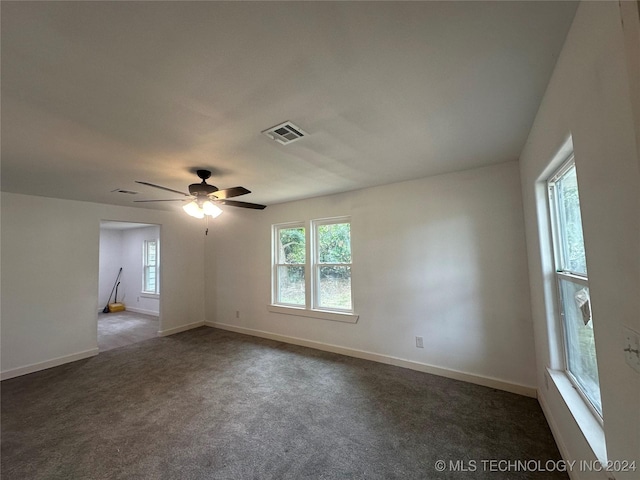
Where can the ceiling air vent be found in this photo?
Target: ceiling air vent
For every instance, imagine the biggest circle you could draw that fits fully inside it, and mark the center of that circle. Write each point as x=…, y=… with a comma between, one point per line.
x=285, y=133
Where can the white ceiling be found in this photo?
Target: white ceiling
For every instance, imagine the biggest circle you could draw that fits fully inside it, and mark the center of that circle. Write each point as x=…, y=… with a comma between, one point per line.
x=96, y=95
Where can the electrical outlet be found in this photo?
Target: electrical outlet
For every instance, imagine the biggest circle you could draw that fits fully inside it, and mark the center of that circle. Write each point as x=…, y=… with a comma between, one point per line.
x=237, y=313
x=632, y=348
x=419, y=342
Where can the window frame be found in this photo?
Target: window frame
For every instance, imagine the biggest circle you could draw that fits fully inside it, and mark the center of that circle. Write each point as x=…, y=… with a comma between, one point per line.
x=311, y=308
x=561, y=273
x=276, y=264
x=316, y=265
x=146, y=265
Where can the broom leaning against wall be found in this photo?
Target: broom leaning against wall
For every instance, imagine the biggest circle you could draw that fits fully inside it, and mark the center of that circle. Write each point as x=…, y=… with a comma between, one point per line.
x=114, y=307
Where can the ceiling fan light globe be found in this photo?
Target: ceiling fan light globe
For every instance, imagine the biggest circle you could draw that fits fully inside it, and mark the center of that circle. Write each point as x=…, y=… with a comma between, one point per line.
x=211, y=209
x=193, y=209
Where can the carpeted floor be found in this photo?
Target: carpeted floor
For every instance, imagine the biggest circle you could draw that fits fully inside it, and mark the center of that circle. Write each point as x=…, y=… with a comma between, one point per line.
x=118, y=329
x=211, y=404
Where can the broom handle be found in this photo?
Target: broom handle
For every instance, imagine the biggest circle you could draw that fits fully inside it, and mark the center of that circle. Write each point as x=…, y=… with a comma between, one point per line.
x=114, y=286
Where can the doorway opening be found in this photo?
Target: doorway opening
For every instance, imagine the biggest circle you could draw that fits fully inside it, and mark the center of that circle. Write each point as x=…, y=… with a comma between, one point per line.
x=129, y=283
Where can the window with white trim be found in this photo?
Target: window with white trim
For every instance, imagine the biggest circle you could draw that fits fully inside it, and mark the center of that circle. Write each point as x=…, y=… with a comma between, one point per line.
x=332, y=265
x=572, y=283
x=150, y=261
x=312, y=265
x=289, y=268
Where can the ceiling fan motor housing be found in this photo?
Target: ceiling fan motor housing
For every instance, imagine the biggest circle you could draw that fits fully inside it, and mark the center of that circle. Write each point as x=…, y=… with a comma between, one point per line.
x=199, y=189
x=202, y=189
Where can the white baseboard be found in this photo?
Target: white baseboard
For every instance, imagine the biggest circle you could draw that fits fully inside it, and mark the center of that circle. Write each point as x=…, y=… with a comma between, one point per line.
x=376, y=357
x=181, y=328
x=142, y=310
x=54, y=362
x=137, y=310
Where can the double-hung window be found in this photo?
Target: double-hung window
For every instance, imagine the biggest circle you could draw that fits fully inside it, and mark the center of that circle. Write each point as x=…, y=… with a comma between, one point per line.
x=332, y=265
x=290, y=264
x=312, y=265
x=573, y=284
x=150, y=257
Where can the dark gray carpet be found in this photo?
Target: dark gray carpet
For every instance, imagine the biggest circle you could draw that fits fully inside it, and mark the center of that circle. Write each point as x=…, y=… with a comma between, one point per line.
x=211, y=404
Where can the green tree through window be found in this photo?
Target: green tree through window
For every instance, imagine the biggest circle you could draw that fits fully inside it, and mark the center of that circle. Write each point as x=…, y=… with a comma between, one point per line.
x=333, y=269
x=573, y=284
x=290, y=270
x=330, y=265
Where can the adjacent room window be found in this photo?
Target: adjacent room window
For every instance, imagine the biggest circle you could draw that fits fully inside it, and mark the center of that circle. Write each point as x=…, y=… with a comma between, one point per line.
x=312, y=265
x=573, y=284
x=150, y=259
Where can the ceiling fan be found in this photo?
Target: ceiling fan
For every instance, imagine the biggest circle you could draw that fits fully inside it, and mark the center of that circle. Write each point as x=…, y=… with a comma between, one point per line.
x=204, y=197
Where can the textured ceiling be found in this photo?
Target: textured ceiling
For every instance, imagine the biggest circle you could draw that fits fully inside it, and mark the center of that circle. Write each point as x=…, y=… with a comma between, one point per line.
x=96, y=95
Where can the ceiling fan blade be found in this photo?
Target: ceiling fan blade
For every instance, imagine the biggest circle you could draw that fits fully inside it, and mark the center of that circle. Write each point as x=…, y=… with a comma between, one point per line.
x=234, y=203
x=162, y=188
x=171, y=200
x=230, y=192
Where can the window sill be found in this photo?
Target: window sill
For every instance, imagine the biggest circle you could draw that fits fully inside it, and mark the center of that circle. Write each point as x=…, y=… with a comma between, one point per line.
x=321, y=314
x=150, y=295
x=587, y=422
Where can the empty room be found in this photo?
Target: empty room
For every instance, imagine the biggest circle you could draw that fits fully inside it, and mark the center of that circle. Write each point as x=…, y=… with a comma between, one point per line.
x=337, y=240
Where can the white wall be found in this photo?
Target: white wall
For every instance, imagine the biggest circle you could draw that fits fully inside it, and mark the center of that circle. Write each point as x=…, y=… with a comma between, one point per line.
x=589, y=98
x=441, y=257
x=50, y=260
x=110, y=258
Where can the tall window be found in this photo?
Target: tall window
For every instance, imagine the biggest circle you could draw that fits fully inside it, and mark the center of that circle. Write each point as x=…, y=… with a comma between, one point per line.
x=150, y=257
x=290, y=261
x=573, y=284
x=312, y=265
x=332, y=265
